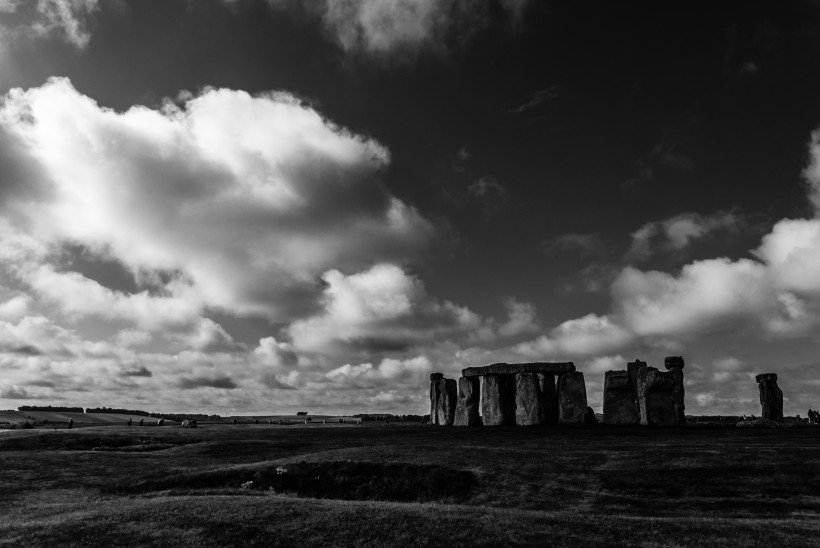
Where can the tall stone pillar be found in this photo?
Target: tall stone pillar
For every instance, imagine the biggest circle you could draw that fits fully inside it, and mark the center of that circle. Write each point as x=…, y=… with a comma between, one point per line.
x=435, y=393
x=534, y=399
x=674, y=364
x=633, y=368
x=771, y=397
x=572, y=398
x=467, y=402
x=442, y=400
x=619, y=398
x=656, y=402
x=498, y=400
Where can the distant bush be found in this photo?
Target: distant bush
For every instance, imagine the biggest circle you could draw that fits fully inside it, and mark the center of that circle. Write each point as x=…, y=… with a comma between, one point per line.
x=117, y=411
x=53, y=409
x=298, y=413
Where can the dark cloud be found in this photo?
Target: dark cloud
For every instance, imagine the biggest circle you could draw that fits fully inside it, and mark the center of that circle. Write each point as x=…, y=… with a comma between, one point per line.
x=272, y=381
x=207, y=382
x=23, y=349
x=16, y=393
x=138, y=372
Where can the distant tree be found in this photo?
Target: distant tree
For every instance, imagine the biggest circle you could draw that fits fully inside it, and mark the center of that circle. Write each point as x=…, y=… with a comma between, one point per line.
x=53, y=409
x=298, y=413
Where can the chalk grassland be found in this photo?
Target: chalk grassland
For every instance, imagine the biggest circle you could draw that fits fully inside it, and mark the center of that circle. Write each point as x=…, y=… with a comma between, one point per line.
x=409, y=485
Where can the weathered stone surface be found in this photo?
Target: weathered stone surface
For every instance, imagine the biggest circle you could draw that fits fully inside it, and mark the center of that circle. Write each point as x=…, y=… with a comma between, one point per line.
x=535, y=399
x=656, y=400
x=446, y=404
x=572, y=398
x=590, y=419
x=771, y=397
x=189, y=423
x=515, y=368
x=633, y=368
x=619, y=398
x=435, y=393
x=467, y=402
x=678, y=395
x=436, y=376
x=766, y=377
x=498, y=400
x=673, y=361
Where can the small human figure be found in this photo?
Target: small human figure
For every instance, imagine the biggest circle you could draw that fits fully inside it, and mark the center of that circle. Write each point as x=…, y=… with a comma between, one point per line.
x=257, y=421
x=70, y=423
x=270, y=422
x=129, y=421
x=141, y=422
x=234, y=421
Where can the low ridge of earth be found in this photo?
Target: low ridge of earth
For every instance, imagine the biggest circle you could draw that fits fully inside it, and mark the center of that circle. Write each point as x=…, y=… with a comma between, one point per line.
x=402, y=484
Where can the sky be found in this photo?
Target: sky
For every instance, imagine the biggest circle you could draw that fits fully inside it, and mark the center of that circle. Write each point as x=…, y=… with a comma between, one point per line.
x=271, y=206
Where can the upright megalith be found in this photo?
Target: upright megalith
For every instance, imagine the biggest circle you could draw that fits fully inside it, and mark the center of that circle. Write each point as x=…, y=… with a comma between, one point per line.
x=442, y=400
x=674, y=364
x=498, y=400
x=656, y=400
x=535, y=399
x=771, y=397
x=633, y=368
x=619, y=398
x=572, y=398
x=467, y=402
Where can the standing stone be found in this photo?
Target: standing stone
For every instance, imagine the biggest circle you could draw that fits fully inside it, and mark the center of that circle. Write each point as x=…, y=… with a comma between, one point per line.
x=675, y=366
x=467, y=402
x=435, y=393
x=619, y=398
x=498, y=400
x=572, y=398
x=535, y=401
x=771, y=397
x=656, y=402
x=446, y=408
x=633, y=368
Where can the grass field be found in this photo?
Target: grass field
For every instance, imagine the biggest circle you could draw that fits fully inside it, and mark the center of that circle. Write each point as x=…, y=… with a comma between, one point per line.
x=409, y=485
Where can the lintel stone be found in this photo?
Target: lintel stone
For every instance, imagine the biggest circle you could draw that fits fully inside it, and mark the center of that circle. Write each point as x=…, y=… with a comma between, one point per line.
x=516, y=368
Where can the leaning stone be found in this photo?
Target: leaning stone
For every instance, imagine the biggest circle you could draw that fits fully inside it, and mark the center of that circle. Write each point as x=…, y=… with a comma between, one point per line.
x=656, y=401
x=771, y=397
x=498, y=400
x=436, y=376
x=619, y=398
x=468, y=401
x=572, y=398
x=446, y=405
x=515, y=368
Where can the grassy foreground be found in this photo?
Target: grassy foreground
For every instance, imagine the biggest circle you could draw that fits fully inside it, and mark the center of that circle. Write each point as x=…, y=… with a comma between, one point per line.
x=398, y=484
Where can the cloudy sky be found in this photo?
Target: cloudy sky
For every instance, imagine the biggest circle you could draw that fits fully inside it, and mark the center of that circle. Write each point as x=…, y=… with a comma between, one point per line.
x=267, y=206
